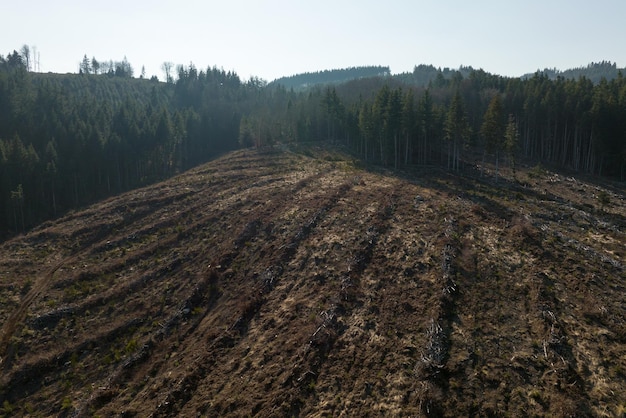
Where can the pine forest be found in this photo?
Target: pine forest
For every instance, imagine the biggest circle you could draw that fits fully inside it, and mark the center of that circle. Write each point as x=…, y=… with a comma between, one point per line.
x=67, y=140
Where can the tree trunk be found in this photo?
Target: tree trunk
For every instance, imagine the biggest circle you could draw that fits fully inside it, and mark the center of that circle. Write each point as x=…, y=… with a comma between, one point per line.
x=54, y=201
x=497, y=164
x=482, y=165
x=406, y=151
x=564, y=152
x=576, y=149
x=75, y=190
x=22, y=213
x=364, y=148
x=395, y=151
x=588, y=165
x=15, y=216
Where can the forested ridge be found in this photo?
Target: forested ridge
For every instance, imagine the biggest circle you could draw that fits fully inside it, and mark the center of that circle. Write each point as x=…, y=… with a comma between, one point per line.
x=594, y=71
x=68, y=140
x=306, y=80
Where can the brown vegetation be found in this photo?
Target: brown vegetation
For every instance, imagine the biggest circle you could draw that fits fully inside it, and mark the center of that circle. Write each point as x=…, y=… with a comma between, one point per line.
x=292, y=282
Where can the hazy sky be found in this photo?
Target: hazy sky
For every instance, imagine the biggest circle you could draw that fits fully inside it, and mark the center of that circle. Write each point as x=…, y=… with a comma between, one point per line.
x=275, y=38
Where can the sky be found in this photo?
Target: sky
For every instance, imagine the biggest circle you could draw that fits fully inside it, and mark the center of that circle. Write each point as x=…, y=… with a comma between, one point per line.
x=275, y=38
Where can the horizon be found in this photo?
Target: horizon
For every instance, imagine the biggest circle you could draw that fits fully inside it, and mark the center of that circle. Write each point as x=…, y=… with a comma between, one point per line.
x=137, y=73
x=279, y=38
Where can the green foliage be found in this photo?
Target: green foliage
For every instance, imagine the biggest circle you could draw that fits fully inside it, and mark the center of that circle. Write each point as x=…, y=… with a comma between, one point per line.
x=604, y=199
x=131, y=346
x=594, y=71
x=66, y=403
x=492, y=128
x=7, y=408
x=69, y=140
x=511, y=141
x=536, y=172
x=457, y=130
x=301, y=81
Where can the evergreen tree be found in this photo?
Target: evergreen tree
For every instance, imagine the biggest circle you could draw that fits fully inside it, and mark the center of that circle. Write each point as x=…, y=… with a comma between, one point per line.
x=366, y=129
x=492, y=129
x=511, y=139
x=379, y=125
x=69, y=140
x=85, y=65
x=409, y=124
x=457, y=131
x=393, y=124
x=426, y=124
x=334, y=111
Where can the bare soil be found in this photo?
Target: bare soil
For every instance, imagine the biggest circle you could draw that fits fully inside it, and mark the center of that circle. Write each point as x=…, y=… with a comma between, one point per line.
x=296, y=282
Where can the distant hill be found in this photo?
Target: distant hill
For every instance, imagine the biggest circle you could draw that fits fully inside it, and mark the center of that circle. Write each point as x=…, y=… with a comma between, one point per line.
x=594, y=72
x=302, y=81
x=424, y=75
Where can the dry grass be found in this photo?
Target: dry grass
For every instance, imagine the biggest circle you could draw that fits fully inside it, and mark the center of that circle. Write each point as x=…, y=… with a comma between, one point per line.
x=297, y=283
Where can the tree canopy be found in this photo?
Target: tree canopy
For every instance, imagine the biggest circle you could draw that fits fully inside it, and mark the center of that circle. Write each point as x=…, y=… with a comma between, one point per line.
x=68, y=140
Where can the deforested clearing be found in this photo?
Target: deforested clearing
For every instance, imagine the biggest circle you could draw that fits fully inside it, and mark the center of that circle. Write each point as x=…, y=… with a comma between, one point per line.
x=297, y=281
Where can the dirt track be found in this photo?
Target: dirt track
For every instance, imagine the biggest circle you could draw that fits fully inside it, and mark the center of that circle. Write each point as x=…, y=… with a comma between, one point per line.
x=296, y=283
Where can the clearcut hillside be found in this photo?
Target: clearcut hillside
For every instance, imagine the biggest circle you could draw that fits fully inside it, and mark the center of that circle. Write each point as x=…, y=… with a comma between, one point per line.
x=299, y=282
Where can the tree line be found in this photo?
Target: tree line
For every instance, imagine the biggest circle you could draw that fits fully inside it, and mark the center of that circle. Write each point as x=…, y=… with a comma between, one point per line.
x=594, y=71
x=69, y=140
x=305, y=80
x=570, y=123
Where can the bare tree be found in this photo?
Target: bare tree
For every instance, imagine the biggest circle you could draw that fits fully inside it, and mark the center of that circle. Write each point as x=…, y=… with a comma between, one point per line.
x=95, y=65
x=167, y=67
x=26, y=56
x=35, y=59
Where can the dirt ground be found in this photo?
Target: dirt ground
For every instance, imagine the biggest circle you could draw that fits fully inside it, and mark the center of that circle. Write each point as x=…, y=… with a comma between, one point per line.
x=298, y=282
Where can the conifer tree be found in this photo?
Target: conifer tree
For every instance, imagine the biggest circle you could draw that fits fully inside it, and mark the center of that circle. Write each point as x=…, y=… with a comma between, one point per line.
x=457, y=131
x=409, y=123
x=425, y=123
x=511, y=139
x=492, y=129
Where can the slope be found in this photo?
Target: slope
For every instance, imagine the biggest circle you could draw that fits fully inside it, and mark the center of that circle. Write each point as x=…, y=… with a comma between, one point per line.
x=329, y=77
x=294, y=282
